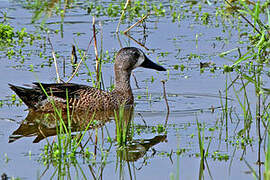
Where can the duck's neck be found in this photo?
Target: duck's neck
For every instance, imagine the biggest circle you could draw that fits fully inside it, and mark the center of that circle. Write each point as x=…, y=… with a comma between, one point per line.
x=122, y=83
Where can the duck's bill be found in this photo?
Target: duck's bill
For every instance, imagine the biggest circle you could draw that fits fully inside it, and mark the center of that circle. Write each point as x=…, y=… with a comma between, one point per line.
x=151, y=65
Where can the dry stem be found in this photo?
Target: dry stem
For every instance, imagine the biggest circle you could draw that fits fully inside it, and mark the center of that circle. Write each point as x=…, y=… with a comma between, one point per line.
x=55, y=61
x=136, y=82
x=165, y=95
x=96, y=51
x=132, y=26
x=118, y=25
x=137, y=42
x=166, y=101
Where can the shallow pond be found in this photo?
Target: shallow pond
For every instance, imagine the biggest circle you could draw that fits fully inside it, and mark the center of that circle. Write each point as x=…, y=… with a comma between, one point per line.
x=209, y=107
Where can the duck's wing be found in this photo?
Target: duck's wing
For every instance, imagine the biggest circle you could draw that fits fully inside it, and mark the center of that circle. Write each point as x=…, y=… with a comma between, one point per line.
x=35, y=96
x=60, y=90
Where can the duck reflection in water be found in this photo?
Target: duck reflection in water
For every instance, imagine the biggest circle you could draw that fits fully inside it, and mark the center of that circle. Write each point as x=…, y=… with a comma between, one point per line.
x=42, y=125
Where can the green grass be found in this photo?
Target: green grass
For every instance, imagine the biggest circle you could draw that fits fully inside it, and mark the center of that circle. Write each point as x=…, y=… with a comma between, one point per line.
x=62, y=153
x=123, y=124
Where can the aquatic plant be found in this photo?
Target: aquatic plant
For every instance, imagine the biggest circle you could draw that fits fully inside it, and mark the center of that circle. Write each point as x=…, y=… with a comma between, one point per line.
x=123, y=124
x=11, y=37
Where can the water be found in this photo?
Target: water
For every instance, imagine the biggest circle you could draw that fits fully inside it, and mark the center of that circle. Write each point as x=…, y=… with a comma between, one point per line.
x=192, y=95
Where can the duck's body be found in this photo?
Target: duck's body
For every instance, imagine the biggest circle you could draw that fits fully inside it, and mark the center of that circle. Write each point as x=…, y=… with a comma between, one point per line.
x=84, y=97
x=79, y=97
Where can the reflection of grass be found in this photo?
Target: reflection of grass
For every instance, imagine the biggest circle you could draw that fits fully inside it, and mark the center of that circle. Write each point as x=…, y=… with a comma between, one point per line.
x=201, y=138
x=225, y=112
x=122, y=157
x=257, y=117
x=251, y=75
x=178, y=153
x=66, y=143
x=63, y=153
x=204, y=152
x=122, y=126
x=267, y=160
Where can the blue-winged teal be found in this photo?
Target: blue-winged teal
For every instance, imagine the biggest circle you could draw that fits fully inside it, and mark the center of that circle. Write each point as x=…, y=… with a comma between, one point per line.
x=85, y=97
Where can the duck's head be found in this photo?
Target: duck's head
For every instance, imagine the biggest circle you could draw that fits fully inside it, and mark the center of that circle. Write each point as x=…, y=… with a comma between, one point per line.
x=129, y=58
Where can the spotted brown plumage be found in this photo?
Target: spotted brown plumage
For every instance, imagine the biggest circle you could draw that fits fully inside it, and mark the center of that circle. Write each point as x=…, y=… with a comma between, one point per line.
x=87, y=98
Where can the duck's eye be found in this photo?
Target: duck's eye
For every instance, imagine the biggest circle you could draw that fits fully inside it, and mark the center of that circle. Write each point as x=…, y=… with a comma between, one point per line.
x=136, y=54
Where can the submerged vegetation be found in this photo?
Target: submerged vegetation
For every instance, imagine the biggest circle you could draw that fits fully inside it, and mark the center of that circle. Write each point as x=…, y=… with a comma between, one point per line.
x=224, y=40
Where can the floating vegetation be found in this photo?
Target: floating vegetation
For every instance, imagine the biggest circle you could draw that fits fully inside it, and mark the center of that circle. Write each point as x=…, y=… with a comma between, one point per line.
x=10, y=37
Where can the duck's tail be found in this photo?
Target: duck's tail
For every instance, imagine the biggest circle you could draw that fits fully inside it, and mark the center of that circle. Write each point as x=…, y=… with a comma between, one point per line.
x=27, y=95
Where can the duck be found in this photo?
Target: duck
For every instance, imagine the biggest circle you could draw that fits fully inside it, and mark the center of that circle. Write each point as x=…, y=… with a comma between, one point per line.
x=45, y=97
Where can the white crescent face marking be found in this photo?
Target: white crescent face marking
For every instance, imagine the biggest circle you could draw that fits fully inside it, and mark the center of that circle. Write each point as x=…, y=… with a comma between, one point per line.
x=140, y=60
